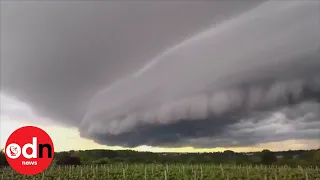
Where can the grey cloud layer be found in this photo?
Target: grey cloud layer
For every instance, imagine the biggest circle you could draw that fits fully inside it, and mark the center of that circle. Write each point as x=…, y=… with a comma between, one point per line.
x=55, y=56
x=248, y=78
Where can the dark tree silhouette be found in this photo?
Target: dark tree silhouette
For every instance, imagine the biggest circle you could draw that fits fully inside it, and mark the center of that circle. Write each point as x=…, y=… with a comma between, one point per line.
x=67, y=159
x=268, y=157
x=3, y=160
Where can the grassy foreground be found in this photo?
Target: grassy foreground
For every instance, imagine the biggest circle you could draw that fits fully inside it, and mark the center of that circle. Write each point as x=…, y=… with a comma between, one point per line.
x=168, y=172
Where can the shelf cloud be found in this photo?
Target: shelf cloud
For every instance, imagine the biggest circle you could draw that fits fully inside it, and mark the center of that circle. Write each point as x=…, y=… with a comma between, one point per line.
x=250, y=76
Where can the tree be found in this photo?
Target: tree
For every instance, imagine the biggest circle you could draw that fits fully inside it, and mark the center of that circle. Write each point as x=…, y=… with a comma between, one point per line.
x=66, y=158
x=3, y=160
x=229, y=153
x=268, y=157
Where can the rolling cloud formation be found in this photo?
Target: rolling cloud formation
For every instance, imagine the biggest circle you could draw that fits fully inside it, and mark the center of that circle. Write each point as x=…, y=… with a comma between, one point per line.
x=195, y=90
x=251, y=78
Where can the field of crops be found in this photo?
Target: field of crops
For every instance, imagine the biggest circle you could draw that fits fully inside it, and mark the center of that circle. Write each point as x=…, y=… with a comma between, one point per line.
x=168, y=172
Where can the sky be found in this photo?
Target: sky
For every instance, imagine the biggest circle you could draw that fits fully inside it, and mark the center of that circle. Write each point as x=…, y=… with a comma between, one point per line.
x=163, y=76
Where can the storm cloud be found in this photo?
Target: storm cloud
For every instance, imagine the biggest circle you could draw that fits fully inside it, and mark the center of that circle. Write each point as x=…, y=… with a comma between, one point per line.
x=168, y=74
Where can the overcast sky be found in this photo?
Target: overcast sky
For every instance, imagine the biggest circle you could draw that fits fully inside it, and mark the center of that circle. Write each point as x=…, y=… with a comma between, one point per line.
x=168, y=74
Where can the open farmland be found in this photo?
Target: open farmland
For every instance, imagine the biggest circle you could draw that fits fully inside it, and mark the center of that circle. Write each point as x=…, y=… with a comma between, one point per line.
x=168, y=172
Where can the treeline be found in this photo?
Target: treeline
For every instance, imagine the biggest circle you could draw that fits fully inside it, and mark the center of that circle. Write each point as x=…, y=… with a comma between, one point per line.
x=290, y=158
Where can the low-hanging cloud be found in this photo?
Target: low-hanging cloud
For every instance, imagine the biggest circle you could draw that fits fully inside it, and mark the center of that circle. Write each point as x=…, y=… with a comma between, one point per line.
x=251, y=77
x=256, y=63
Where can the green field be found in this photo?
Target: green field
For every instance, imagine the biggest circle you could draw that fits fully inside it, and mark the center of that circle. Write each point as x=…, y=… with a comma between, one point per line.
x=168, y=172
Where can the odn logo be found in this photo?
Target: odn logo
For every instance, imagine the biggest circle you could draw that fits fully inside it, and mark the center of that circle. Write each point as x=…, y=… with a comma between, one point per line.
x=29, y=150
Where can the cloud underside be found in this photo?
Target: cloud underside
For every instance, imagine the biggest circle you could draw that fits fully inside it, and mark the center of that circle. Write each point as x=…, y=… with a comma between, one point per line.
x=250, y=79
x=264, y=87
x=232, y=119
